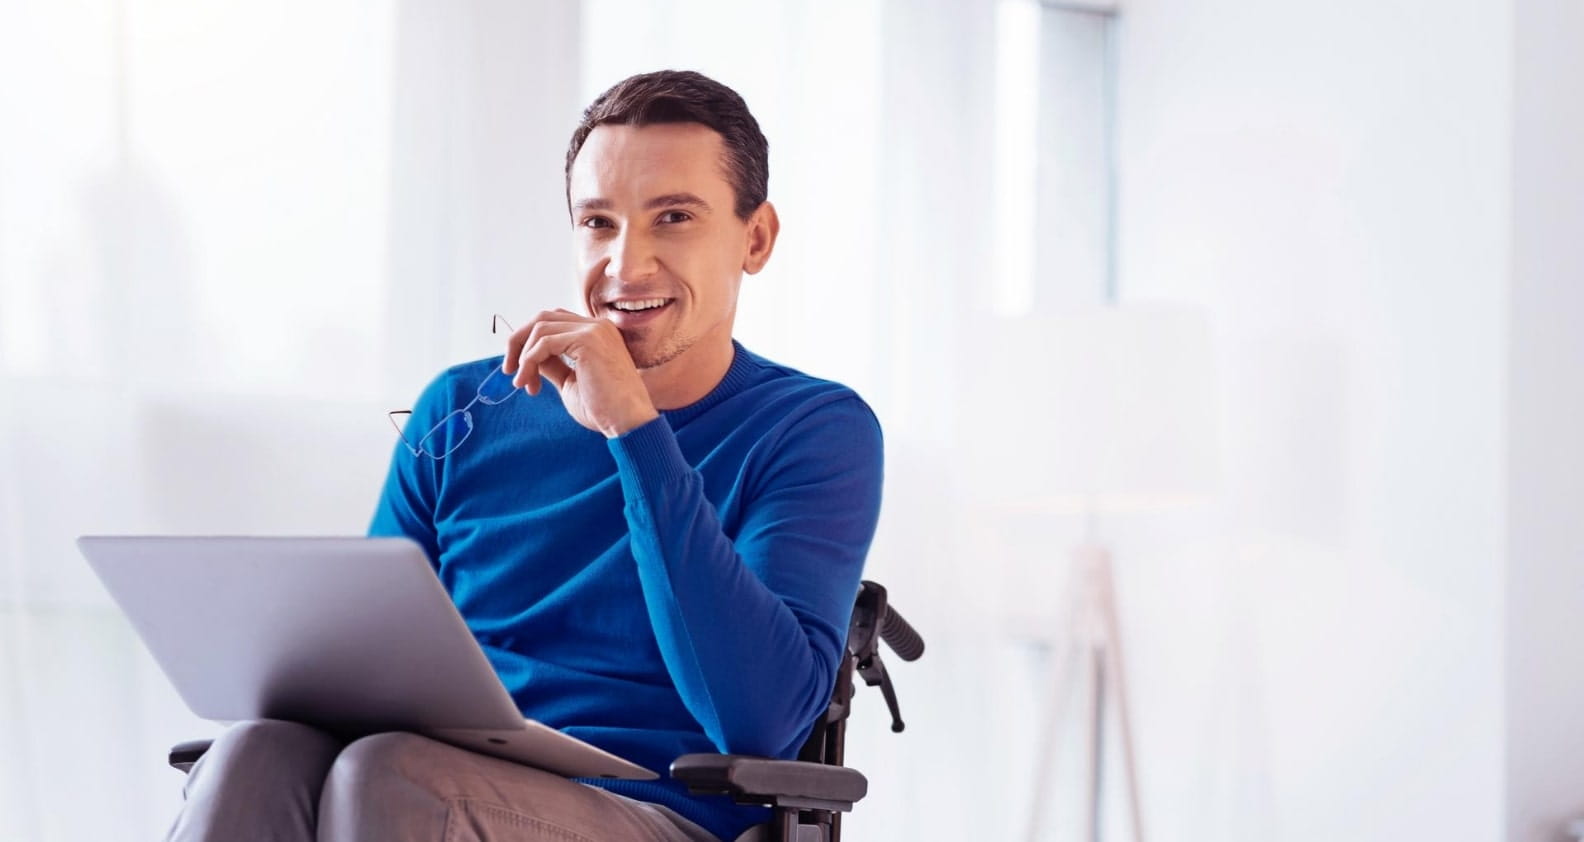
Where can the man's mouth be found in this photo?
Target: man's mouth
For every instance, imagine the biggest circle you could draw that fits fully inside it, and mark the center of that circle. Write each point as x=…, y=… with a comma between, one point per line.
x=638, y=305
x=635, y=313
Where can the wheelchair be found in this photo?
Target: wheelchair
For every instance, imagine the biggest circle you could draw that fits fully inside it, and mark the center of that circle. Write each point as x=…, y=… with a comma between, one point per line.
x=808, y=795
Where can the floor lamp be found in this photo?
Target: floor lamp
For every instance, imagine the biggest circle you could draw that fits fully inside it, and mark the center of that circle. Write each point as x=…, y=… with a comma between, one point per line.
x=1122, y=400
x=1088, y=659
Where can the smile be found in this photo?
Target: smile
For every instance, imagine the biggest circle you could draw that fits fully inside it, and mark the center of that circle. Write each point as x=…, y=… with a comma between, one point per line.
x=640, y=305
x=636, y=312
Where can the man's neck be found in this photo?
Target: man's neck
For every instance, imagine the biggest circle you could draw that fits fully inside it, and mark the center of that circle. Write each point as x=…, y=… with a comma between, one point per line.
x=688, y=378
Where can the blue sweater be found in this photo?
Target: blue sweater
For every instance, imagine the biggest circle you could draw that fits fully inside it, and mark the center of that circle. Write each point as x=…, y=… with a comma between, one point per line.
x=685, y=587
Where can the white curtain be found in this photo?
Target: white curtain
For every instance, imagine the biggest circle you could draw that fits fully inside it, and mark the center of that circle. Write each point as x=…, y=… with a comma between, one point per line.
x=231, y=238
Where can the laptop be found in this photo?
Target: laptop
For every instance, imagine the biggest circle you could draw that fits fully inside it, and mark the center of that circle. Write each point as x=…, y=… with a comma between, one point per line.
x=353, y=635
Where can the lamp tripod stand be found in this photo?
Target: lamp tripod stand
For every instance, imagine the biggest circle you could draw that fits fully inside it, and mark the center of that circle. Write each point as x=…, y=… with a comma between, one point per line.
x=1090, y=655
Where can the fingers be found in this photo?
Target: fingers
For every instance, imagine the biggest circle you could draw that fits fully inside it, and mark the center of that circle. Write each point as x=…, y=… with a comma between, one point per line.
x=556, y=371
x=557, y=345
x=522, y=336
x=548, y=341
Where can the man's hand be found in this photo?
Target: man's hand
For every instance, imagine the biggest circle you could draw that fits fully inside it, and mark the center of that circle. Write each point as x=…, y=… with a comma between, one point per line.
x=588, y=362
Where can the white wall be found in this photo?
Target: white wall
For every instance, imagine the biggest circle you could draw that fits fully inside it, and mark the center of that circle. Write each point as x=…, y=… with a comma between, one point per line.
x=1330, y=181
x=1545, y=412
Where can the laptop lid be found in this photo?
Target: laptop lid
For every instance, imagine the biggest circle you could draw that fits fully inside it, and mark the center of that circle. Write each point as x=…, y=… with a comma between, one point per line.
x=350, y=634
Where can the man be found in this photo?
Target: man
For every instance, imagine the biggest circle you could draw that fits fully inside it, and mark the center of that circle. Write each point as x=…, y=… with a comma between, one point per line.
x=658, y=546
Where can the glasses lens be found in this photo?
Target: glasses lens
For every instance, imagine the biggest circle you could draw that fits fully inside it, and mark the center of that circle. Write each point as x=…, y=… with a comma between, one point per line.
x=496, y=388
x=448, y=435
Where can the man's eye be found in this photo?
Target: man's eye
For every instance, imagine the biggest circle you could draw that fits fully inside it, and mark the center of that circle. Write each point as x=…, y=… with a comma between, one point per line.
x=596, y=222
x=675, y=216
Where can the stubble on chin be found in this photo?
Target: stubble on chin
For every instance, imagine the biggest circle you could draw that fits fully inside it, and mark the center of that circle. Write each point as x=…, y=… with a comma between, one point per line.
x=645, y=356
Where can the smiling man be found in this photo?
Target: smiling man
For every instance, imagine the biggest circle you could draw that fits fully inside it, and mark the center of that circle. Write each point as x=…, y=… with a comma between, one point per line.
x=663, y=241
x=658, y=546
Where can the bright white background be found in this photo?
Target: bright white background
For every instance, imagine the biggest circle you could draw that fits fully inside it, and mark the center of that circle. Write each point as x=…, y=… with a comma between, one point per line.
x=232, y=236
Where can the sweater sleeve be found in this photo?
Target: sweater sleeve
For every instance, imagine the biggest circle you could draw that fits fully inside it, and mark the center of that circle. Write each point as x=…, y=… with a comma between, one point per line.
x=752, y=629
x=406, y=504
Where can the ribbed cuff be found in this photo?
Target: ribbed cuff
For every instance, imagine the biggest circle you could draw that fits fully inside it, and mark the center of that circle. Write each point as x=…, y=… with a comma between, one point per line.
x=648, y=460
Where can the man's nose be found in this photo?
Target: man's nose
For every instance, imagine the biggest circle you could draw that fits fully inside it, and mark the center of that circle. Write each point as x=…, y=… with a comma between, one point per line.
x=632, y=257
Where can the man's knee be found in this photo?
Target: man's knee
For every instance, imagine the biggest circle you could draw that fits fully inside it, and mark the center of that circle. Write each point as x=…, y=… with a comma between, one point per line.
x=384, y=787
x=269, y=732
x=374, y=761
x=263, y=775
x=271, y=743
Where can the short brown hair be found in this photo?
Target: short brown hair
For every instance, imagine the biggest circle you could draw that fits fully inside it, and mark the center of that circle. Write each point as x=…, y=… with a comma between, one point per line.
x=683, y=96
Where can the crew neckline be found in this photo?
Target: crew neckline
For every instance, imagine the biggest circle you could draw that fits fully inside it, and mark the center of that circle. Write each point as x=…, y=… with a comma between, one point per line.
x=738, y=375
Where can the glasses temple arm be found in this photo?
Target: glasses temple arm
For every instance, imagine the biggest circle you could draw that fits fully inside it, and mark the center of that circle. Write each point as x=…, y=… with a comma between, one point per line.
x=391, y=416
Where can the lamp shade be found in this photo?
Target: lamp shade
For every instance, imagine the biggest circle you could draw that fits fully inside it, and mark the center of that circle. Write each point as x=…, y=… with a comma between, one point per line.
x=1103, y=410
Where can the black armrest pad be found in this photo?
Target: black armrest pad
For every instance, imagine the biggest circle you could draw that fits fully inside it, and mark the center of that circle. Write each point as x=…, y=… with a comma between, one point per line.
x=776, y=782
x=184, y=755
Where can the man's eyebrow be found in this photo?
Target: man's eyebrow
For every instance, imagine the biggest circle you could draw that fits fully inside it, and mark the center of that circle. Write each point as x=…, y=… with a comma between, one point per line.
x=668, y=200
x=591, y=204
x=677, y=199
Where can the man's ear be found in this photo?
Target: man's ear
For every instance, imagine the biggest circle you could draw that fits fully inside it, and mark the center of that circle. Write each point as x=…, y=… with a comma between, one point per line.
x=763, y=226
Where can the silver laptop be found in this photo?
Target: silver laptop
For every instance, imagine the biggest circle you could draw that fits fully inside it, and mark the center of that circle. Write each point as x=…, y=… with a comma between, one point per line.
x=354, y=635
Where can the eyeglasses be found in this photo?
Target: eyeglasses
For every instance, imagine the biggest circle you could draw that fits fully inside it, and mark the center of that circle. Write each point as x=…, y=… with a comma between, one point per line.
x=454, y=429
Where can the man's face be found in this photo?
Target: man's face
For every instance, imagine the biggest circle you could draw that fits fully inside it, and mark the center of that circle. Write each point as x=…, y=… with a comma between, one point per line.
x=660, y=250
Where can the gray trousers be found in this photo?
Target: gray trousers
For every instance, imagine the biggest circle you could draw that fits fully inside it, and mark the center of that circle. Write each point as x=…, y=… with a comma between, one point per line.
x=285, y=782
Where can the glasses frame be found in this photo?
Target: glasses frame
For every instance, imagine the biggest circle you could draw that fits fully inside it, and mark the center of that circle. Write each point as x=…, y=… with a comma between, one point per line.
x=466, y=412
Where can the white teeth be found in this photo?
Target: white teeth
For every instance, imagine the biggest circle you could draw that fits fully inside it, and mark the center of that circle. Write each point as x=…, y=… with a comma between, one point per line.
x=645, y=304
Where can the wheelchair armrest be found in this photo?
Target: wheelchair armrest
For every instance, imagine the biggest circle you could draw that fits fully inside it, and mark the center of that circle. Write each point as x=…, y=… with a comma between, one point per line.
x=774, y=783
x=184, y=755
